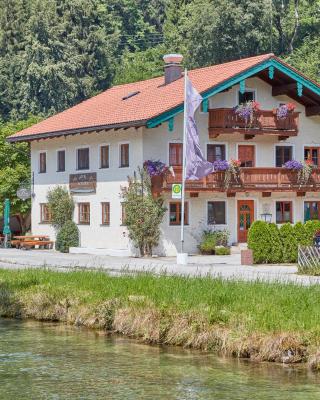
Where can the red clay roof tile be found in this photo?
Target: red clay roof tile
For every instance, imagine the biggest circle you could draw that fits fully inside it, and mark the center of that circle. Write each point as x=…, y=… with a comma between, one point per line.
x=153, y=99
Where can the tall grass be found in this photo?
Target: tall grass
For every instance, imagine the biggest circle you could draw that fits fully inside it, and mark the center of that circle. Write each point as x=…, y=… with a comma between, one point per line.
x=150, y=307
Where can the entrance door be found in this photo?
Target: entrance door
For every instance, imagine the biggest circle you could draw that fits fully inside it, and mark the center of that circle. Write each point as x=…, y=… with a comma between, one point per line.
x=246, y=155
x=245, y=218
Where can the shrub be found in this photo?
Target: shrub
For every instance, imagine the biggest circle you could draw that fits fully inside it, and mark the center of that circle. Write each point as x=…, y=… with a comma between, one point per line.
x=222, y=251
x=61, y=206
x=259, y=241
x=275, y=244
x=289, y=244
x=143, y=212
x=311, y=227
x=68, y=236
x=300, y=234
x=208, y=243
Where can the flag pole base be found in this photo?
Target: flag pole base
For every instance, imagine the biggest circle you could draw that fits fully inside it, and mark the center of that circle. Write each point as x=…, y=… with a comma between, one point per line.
x=182, y=258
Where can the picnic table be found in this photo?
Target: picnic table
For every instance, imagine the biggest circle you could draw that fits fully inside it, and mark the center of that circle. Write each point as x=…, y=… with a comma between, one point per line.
x=31, y=241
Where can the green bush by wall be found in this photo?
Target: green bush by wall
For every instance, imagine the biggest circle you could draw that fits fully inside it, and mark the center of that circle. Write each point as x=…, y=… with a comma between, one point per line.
x=271, y=245
x=289, y=244
x=68, y=236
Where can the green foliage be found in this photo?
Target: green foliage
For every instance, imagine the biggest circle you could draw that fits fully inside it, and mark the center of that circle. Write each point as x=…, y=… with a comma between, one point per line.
x=207, y=244
x=311, y=228
x=300, y=234
x=275, y=244
x=143, y=212
x=222, y=251
x=212, y=238
x=260, y=242
x=289, y=243
x=61, y=206
x=15, y=168
x=68, y=236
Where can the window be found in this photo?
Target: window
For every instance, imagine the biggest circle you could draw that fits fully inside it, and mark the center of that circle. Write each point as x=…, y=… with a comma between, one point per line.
x=175, y=154
x=283, y=154
x=104, y=156
x=42, y=163
x=175, y=213
x=105, y=207
x=61, y=160
x=283, y=212
x=248, y=95
x=83, y=158
x=311, y=210
x=216, y=213
x=45, y=215
x=124, y=155
x=312, y=153
x=84, y=213
x=216, y=152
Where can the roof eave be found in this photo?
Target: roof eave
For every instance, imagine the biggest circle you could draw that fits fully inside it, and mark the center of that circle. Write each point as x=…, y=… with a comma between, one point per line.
x=235, y=79
x=48, y=135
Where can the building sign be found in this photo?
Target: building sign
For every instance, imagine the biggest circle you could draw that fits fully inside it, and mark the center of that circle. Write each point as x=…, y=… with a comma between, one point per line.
x=176, y=190
x=83, y=183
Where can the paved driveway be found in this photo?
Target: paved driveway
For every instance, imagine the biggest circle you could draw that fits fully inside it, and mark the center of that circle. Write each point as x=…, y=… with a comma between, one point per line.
x=227, y=267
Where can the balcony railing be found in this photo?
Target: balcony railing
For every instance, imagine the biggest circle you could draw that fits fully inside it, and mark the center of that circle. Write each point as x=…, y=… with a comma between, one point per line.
x=225, y=120
x=254, y=179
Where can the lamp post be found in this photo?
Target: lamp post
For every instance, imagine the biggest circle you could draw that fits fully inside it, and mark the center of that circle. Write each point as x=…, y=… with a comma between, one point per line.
x=266, y=217
x=6, y=224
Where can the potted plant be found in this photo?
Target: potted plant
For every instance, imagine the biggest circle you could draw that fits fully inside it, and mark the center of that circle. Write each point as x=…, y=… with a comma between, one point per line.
x=303, y=170
x=283, y=111
x=157, y=170
x=232, y=174
x=247, y=112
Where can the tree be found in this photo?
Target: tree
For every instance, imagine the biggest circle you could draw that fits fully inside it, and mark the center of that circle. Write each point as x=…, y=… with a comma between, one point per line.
x=15, y=169
x=143, y=212
x=61, y=206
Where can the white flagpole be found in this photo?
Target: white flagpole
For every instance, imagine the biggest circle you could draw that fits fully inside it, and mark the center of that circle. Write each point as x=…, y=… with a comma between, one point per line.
x=183, y=159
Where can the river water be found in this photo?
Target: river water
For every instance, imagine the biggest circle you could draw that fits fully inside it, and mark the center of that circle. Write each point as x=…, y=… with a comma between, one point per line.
x=50, y=361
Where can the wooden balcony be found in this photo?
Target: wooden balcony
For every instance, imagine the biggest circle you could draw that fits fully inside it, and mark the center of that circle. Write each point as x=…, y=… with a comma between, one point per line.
x=260, y=179
x=224, y=120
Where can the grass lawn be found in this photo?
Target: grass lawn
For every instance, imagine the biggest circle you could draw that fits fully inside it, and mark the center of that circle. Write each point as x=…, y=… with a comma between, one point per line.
x=258, y=320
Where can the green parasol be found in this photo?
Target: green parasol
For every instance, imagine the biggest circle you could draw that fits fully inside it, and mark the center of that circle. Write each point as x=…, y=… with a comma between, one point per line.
x=6, y=223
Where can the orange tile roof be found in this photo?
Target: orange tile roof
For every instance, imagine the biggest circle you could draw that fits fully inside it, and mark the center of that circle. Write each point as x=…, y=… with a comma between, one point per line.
x=108, y=109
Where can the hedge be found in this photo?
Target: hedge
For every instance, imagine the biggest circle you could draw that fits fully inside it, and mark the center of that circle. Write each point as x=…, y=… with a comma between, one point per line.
x=272, y=245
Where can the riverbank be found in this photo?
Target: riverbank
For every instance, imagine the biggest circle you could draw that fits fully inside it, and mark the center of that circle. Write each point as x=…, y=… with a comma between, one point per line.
x=256, y=320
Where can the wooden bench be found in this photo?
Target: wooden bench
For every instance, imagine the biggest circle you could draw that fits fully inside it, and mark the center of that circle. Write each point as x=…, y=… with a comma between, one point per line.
x=28, y=244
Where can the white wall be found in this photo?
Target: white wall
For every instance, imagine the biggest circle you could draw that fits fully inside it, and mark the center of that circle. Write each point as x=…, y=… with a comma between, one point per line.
x=154, y=144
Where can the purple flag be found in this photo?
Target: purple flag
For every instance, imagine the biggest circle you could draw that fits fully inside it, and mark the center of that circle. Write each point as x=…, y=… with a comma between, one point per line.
x=196, y=165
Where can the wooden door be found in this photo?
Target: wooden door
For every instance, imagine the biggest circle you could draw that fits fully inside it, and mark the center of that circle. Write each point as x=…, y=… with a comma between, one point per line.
x=246, y=155
x=245, y=218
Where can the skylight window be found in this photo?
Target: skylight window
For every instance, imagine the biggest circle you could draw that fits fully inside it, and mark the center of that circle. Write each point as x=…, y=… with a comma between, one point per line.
x=130, y=95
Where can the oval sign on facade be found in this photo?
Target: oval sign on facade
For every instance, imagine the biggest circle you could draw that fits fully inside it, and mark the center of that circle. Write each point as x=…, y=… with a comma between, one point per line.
x=177, y=191
x=23, y=193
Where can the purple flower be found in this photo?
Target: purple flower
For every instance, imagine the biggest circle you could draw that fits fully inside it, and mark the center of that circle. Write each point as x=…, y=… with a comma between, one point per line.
x=282, y=112
x=293, y=164
x=155, y=168
x=221, y=165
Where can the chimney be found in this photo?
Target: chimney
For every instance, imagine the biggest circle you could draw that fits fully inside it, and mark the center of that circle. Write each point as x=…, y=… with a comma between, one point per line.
x=172, y=68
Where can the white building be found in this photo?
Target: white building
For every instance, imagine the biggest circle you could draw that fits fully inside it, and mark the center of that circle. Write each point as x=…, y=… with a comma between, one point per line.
x=92, y=148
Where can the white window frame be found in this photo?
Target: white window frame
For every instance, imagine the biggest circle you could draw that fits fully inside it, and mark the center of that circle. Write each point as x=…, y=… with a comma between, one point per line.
x=225, y=144
x=79, y=148
x=119, y=155
x=65, y=159
x=189, y=213
x=99, y=157
x=225, y=212
x=283, y=145
x=46, y=153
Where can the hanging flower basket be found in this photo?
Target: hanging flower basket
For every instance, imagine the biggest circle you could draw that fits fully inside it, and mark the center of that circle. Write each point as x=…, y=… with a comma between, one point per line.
x=283, y=111
x=248, y=112
x=229, y=170
x=302, y=170
x=157, y=170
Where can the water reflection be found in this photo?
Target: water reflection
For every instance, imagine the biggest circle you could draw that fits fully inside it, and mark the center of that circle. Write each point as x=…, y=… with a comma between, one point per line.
x=49, y=361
